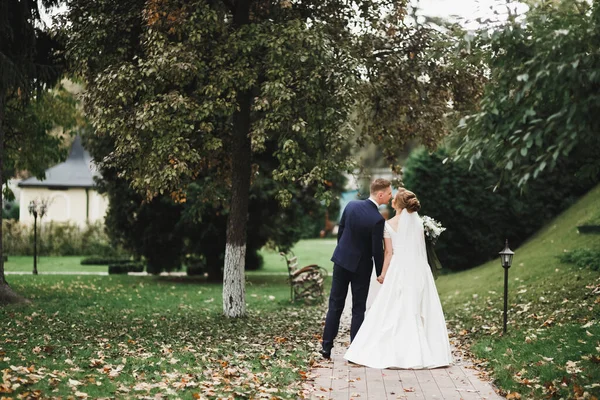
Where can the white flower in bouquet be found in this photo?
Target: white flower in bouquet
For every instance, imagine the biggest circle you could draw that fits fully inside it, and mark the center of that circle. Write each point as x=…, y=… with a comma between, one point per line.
x=433, y=229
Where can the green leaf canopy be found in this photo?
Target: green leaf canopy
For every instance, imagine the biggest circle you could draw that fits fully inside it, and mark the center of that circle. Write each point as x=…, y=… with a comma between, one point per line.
x=543, y=97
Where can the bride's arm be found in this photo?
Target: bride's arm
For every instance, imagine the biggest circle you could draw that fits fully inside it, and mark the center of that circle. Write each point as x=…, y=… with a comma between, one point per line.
x=386, y=260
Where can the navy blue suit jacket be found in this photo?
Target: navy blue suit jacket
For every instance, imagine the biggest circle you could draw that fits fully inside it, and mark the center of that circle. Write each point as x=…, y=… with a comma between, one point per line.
x=360, y=238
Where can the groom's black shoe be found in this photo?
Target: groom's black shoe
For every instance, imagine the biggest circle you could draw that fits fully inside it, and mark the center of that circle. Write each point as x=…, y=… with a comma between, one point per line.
x=325, y=353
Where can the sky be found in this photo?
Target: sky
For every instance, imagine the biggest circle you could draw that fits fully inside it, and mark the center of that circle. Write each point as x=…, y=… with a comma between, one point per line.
x=466, y=11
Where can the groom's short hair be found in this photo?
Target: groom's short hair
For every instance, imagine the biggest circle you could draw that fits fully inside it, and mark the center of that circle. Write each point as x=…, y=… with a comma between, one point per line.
x=380, y=184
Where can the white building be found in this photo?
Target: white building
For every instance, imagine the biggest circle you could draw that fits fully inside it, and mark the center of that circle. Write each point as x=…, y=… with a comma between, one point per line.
x=69, y=190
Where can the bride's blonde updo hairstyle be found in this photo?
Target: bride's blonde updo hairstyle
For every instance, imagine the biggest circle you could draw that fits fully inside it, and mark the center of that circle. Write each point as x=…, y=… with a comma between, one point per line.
x=407, y=199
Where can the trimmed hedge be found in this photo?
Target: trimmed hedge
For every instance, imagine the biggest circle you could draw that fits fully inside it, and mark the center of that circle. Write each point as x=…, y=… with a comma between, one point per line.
x=57, y=239
x=583, y=258
x=100, y=260
x=195, y=265
x=195, y=270
x=125, y=268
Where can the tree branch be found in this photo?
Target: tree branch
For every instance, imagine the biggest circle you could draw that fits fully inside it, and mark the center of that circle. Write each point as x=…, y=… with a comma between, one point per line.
x=230, y=5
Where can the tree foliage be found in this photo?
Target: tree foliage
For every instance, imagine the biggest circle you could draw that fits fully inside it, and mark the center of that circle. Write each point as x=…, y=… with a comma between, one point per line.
x=200, y=89
x=420, y=81
x=478, y=219
x=542, y=98
x=27, y=58
x=28, y=67
x=170, y=230
x=178, y=89
x=31, y=144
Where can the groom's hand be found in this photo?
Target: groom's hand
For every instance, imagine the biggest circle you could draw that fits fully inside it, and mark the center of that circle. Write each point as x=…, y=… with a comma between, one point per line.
x=380, y=279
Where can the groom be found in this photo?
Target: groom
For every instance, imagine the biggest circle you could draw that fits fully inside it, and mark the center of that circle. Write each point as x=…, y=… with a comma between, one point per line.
x=360, y=242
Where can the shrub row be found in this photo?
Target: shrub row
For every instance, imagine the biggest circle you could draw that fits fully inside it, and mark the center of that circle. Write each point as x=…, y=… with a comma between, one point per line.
x=583, y=258
x=57, y=239
x=195, y=270
x=101, y=260
x=125, y=268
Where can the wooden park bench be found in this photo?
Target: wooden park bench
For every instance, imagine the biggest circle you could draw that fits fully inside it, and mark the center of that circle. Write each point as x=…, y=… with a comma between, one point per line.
x=306, y=283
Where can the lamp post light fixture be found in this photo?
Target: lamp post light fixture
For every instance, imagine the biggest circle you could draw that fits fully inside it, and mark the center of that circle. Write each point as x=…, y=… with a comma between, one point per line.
x=506, y=257
x=33, y=211
x=36, y=209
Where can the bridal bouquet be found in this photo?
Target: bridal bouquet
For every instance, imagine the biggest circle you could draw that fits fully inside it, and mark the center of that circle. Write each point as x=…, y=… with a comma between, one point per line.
x=433, y=229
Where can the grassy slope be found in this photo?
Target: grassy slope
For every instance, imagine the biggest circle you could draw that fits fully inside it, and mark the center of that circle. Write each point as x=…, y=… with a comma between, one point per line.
x=553, y=341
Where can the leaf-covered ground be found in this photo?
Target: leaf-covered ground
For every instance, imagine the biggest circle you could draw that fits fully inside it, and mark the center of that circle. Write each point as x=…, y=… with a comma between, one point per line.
x=145, y=337
x=552, y=348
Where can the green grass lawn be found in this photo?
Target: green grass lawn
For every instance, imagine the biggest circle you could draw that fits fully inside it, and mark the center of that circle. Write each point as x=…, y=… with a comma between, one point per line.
x=552, y=348
x=137, y=337
x=50, y=264
x=126, y=336
x=309, y=251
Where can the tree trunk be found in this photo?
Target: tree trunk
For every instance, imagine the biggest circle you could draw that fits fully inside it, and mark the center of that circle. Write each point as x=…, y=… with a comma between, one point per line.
x=234, y=291
x=7, y=296
x=2, y=106
x=234, y=294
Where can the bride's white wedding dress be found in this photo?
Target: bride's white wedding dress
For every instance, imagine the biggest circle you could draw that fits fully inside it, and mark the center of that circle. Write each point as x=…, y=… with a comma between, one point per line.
x=405, y=325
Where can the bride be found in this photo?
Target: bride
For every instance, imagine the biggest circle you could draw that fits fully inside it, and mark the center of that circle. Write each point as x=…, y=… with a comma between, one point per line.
x=405, y=326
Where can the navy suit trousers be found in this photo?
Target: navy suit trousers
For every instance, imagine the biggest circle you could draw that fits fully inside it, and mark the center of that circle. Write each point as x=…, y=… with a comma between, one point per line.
x=359, y=282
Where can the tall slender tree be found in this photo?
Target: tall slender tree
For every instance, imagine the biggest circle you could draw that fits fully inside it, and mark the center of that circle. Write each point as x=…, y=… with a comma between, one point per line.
x=27, y=67
x=193, y=88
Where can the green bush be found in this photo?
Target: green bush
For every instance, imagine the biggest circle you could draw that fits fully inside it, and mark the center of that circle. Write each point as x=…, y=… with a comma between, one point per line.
x=195, y=264
x=11, y=211
x=195, y=270
x=57, y=239
x=125, y=268
x=117, y=270
x=479, y=219
x=254, y=260
x=100, y=260
x=589, y=229
x=162, y=231
x=584, y=258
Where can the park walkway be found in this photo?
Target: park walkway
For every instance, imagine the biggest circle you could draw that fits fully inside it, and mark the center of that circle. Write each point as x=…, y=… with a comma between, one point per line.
x=337, y=379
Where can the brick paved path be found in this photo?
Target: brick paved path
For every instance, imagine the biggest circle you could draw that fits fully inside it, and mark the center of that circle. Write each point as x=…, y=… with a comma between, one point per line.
x=336, y=379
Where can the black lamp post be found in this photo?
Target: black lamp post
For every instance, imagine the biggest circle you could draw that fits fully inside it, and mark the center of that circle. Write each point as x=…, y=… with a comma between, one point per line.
x=506, y=257
x=35, y=210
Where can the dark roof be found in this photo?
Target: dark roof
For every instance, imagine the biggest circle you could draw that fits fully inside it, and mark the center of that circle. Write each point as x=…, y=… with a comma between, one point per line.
x=77, y=171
